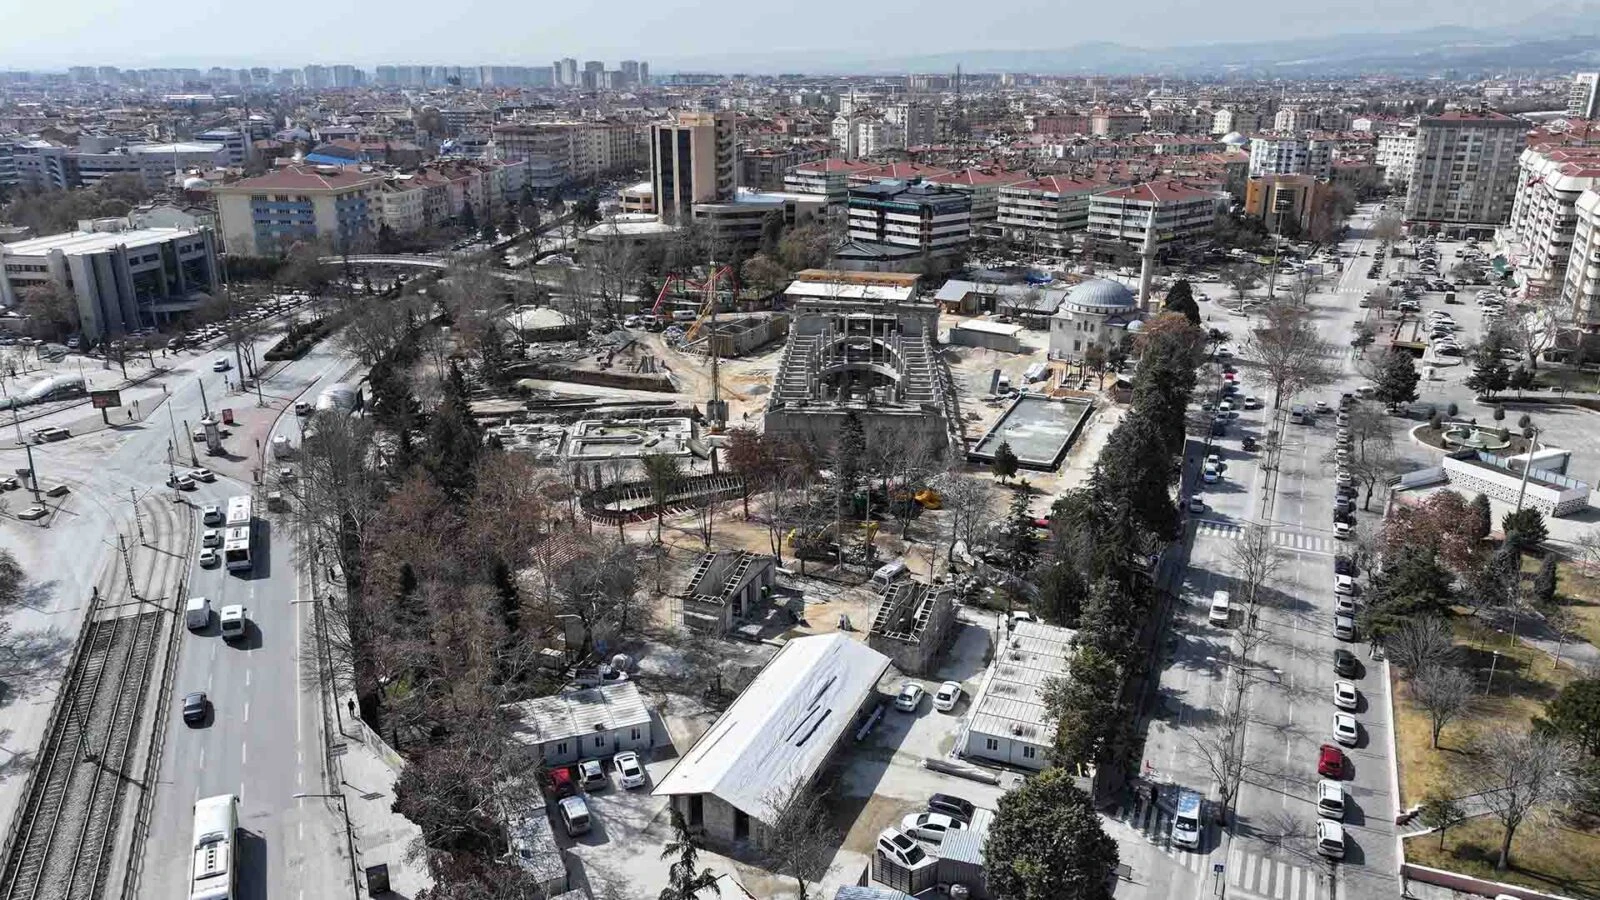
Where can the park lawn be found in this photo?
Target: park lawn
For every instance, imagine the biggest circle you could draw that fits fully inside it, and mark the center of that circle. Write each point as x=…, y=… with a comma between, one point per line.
x=1524, y=680
x=1582, y=593
x=1545, y=856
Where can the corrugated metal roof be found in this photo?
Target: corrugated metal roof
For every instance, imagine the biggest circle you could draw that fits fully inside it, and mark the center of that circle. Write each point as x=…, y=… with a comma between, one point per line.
x=534, y=848
x=577, y=713
x=966, y=845
x=782, y=726
x=869, y=892
x=1011, y=699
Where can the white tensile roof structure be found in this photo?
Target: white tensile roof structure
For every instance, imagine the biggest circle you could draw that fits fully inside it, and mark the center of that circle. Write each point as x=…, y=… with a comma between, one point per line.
x=782, y=727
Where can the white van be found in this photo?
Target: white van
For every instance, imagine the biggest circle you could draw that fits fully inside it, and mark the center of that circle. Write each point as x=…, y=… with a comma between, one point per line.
x=575, y=815
x=1330, y=800
x=1221, y=608
x=233, y=622
x=197, y=614
x=1330, y=839
x=888, y=573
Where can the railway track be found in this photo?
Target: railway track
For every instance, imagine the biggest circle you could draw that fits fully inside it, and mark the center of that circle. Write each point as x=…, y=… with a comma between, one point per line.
x=62, y=843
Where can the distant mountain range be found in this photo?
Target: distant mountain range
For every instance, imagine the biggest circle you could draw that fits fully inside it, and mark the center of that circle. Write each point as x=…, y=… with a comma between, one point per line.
x=1560, y=38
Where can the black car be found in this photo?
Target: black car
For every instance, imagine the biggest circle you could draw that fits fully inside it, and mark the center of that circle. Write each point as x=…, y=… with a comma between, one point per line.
x=194, y=708
x=1346, y=664
x=1249, y=443
x=952, y=806
x=1344, y=565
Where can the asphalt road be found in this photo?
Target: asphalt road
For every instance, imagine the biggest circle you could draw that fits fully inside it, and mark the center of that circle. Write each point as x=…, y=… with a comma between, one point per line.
x=262, y=740
x=1269, y=852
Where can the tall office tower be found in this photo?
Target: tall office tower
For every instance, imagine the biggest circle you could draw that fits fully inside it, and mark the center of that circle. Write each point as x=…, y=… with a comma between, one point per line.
x=644, y=72
x=1465, y=169
x=593, y=72
x=567, y=72
x=692, y=161
x=345, y=76
x=1583, y=98
x=630, y=71
x=316, y=76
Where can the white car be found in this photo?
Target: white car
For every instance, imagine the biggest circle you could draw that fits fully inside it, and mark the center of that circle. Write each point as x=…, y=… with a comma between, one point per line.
x=629, y=771
x=32, y=513
x=1345, y=730
x=899, y=848
x=1252, y=403
x=209, y=558
x=930, y=826
x=1341, y=530
x=205, y=475
x=910, y=696
x=1211, y=475
x=1196, y=503
x=948, y=695
x=1345, y=696
x=1344, y=606
x=211, y=537
x=211, y=514
x=1344, y=584
x=180, y=482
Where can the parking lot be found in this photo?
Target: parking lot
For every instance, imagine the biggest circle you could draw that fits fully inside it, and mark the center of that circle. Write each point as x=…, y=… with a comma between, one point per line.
x=872, y=783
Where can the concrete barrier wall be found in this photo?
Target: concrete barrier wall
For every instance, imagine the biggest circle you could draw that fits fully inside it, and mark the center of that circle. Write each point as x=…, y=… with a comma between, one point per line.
x=1467, y=884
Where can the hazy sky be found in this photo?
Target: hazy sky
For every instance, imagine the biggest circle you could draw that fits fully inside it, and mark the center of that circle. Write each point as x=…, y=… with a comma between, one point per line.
x=39, y=34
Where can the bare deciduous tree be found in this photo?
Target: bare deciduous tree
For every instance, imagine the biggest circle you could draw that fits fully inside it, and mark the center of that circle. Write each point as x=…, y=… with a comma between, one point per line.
x=1255, y=560
x=1370, y=458
x=1518, y=774
x=1291, y=350
x=1420, y=644
x=969, y=503
x=1444, y=692
x=798, y=840
x=1222, y=751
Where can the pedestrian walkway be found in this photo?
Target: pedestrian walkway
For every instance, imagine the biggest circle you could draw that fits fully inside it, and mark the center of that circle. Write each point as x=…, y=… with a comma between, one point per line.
x=367, y=773
x=1254, y=875
x=1292, y=541
x=1225, y=530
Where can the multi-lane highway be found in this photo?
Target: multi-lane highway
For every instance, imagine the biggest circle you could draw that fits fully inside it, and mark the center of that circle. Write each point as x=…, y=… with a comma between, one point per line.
x=1286, y=680
x=262, y=740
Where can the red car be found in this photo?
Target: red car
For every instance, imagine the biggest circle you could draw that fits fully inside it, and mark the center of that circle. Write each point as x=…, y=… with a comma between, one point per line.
x=1330, y=762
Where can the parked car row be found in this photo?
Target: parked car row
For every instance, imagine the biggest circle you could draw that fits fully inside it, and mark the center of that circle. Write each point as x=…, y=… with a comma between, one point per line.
x=945, y=813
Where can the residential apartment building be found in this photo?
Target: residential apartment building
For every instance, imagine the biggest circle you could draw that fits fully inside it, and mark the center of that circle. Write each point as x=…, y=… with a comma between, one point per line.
x=235, y=143
x=1538, y=236
x=828, y=177
x=764, y=168
x=691, y=161
x=1581, y=286
x=1115, y=122
x=45, y=165
x=122, y=280
x=1288, y=155
x=8, y=163
x=1293, y=118
x=262, y=216
x=1237, y=119
x=559, y=153
x=1583, y=98
x=926, y=218
x=1397, y=154
x=1464, y=175
x=1046, y=212
x=916, y=124
x=1183, y=213
x=983, y=186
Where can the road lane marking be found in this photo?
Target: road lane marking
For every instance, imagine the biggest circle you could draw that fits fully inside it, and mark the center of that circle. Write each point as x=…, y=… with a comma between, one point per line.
x=246, y=677
x=202, y=757
x=247, y=711
x=244, y=753
x=1294, y=887
x=1278, y=889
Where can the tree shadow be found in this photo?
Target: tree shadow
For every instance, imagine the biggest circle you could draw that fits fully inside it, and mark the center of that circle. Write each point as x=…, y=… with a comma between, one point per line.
x=32, y=658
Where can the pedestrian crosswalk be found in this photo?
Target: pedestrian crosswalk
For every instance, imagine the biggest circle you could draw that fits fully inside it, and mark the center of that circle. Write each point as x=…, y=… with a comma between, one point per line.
x=1292, y=541
x=1258, y=876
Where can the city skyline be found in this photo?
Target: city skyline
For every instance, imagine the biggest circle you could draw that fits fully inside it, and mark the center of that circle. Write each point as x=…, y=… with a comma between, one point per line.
x=103, y=32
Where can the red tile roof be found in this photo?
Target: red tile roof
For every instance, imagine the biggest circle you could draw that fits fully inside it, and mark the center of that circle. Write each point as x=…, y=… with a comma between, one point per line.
x=1060, y=184
x=1159, y=192
x=307, y=178
x=974, y=177
x=834, y=164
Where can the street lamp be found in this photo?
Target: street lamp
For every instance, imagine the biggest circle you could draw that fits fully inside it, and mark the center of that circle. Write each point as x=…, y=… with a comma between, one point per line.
x=349, y=834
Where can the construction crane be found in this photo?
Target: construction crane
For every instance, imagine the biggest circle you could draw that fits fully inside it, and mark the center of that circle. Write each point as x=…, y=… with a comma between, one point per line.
x=687, y=286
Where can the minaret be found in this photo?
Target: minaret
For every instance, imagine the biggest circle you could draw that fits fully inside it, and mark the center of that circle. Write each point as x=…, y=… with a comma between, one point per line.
x=1147, y=267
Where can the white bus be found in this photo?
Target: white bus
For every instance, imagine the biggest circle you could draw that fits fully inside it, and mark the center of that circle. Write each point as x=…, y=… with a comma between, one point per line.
x=239, y=511
x=214, y=875
x=236, y=548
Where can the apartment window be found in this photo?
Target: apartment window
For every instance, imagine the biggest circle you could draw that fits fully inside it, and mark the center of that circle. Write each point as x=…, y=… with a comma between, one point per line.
x=1029, y=752
x=991, y=744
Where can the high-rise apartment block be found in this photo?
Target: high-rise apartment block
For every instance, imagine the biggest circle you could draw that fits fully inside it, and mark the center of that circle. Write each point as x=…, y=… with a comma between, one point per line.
x=692, y=161
x=1465, y=169
x=1583, y=98
x=1287, y=155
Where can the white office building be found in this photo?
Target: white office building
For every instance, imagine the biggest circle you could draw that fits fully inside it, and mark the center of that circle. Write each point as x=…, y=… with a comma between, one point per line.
x=1582, y=285
x=1397, y=154
x=1538, y=237
x=123, y=280
x=1583, y=98
x=1464, y=175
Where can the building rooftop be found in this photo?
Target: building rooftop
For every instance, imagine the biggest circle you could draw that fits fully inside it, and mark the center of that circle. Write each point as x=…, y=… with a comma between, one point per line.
x=1055, y=184
x=1475, y=116
x=1011, y=698
x=576, y=713
x=783, y=726
x=74, y=242
x=303, y=178
x=186, y=147
x=1158, y=192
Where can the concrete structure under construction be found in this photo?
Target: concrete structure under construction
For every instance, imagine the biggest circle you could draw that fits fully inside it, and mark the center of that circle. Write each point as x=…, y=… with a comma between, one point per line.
x=595, y=440
x=852, y=353
x=911, y=624
x=1039, y=429
x=723, y=589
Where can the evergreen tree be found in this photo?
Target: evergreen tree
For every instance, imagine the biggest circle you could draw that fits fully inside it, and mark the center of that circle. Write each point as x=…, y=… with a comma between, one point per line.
x=1525, y=529
x=1544, y=584
x=469, y=219
x=1005, y=462
x=1481, y=523
x=1047, y=843
x=1489, y=375
x=1395, y=379
x=455, y=440
x=1017, y=543
x=1180, y=299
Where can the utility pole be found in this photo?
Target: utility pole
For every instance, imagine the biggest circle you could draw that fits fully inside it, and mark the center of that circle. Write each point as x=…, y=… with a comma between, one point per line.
x=138, y=520
x=127, y=566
